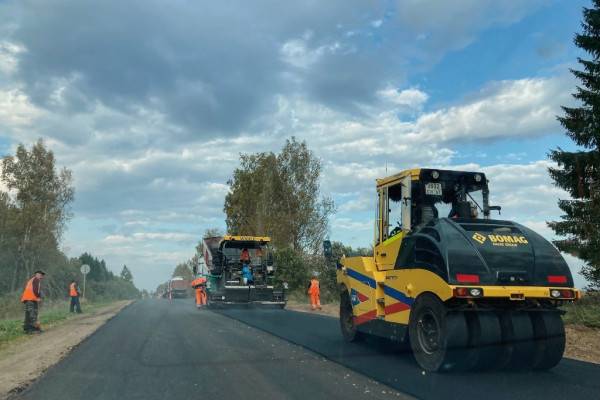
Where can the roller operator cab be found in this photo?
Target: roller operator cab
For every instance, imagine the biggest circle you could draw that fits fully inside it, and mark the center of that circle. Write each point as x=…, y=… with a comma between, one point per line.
x=241, y=271
x=464, y=290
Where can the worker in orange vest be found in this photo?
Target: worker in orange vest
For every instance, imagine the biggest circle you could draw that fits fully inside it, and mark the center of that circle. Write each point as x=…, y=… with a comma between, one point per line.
x=74, y=294
x=199, y=284
x=314, y=291
x=32, y=294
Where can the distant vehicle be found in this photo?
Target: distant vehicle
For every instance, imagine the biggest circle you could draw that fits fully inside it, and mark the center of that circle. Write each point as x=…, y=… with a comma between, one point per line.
x=226, y=281
x=178, y=288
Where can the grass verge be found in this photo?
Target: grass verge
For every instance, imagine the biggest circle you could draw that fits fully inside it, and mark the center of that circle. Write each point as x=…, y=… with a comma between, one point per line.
x=584, y=312
x=51, y=313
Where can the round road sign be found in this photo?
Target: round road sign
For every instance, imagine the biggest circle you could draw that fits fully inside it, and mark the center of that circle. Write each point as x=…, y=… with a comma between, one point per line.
x=85, y=269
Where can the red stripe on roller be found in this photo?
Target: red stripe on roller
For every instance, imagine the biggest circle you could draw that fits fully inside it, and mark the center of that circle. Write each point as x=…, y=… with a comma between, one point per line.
x=361, y=297
x=396, y=307
x=366, y=317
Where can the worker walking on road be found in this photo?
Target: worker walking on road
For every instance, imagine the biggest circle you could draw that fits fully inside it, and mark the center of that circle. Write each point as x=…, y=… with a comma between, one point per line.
x=314, y=291
x=32, y=294
x=74, y=294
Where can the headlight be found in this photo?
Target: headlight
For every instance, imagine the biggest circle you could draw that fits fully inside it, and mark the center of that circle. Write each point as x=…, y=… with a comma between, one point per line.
x=475, y=292
x=435, y=174
x=477, y=178
x=555, y=293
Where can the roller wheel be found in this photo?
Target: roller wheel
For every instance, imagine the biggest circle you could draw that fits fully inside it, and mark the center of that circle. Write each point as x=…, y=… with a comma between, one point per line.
x=518, y=346
x=485, y=348
x=347, y=322
x=549, y=336
x=438, y=338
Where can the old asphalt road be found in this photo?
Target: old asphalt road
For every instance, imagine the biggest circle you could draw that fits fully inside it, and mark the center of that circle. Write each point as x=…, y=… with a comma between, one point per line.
x=155, y=349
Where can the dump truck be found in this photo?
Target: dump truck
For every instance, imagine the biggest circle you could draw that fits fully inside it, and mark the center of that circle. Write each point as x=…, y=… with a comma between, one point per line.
x=229, y=283
x=463, y=291
x=178, y=288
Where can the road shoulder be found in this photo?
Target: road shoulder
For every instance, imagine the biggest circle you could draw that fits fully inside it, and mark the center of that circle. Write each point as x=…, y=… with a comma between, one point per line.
x=25, y=360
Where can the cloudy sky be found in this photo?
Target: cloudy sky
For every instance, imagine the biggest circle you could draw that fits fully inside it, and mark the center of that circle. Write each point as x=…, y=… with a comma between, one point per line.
x=151, y=102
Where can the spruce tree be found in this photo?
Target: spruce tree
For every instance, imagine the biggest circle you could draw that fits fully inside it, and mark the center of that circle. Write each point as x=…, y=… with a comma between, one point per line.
x=578, y=171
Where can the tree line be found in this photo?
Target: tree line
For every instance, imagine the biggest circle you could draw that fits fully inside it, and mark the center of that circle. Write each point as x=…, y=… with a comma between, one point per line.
x=35, y=207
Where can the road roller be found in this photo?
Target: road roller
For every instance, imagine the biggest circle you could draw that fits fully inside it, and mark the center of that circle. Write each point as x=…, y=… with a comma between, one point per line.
x=462, y=290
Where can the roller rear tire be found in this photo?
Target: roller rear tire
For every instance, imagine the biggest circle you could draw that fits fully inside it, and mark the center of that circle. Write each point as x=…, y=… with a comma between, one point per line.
x=518, y=345
x=485, y=339
x=347, y=321
x=549, y=336
x=438, y=338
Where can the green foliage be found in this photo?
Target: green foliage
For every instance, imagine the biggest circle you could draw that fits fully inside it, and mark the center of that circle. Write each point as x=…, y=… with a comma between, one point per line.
x=184, y=270
x=278, y=195
x=291, y=267
x=296, y=268
x=126, y=274
x=32, y=219
x=34, y=215
x=578, y=172
x=212, y=232
x=585, y=311
x=98, y=271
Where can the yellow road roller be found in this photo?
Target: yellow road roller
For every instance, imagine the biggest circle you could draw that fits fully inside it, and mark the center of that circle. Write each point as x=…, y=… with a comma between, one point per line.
x=465, y=291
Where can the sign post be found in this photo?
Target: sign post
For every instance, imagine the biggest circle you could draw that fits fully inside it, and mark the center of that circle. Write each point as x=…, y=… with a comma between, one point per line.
x=84, y=270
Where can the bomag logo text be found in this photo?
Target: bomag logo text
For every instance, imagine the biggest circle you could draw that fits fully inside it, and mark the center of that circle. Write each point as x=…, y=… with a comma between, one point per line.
x=500, y=240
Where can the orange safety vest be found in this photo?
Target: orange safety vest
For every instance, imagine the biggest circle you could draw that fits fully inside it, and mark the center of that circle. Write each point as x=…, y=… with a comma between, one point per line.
x=314, y=287
x=28, y=294
x=73, y=290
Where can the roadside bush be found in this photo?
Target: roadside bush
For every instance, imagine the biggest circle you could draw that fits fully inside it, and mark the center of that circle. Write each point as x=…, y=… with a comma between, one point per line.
x=585, y=311
x=291, y=268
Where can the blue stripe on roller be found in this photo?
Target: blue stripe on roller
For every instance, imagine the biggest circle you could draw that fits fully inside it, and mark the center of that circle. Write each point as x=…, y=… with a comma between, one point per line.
x=360, y=277
x=398, y=295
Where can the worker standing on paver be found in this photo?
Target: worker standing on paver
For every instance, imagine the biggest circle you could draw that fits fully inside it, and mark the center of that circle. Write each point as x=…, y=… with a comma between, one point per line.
x=74, y=294
x=314, y=291
x=32, y=294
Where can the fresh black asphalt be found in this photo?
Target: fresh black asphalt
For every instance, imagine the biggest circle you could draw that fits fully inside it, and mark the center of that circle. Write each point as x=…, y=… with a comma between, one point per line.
x=156, y=349
x=569, y=380
x=160, y=349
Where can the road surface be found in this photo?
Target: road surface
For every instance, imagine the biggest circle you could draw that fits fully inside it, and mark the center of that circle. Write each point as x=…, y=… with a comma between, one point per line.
x=161, y=349
x=156, y=349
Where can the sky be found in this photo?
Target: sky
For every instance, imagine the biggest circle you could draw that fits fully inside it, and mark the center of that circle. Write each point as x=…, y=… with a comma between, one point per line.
x=150, y=103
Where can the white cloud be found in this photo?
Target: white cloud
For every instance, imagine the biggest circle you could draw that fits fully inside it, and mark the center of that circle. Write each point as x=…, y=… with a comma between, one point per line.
x=297, y=52
x=377, y=23
x=16, y=111
x=8, y=56
x=412, y=98
x=151, y=236
x=524, y=107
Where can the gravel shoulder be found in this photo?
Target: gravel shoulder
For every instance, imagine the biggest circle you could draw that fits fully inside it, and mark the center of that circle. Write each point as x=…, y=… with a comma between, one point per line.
x=583, y=343
x=26, y=359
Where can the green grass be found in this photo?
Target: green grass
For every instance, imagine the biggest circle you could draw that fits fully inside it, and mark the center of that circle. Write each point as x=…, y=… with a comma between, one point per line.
x=51, y=313
x=584, y=312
